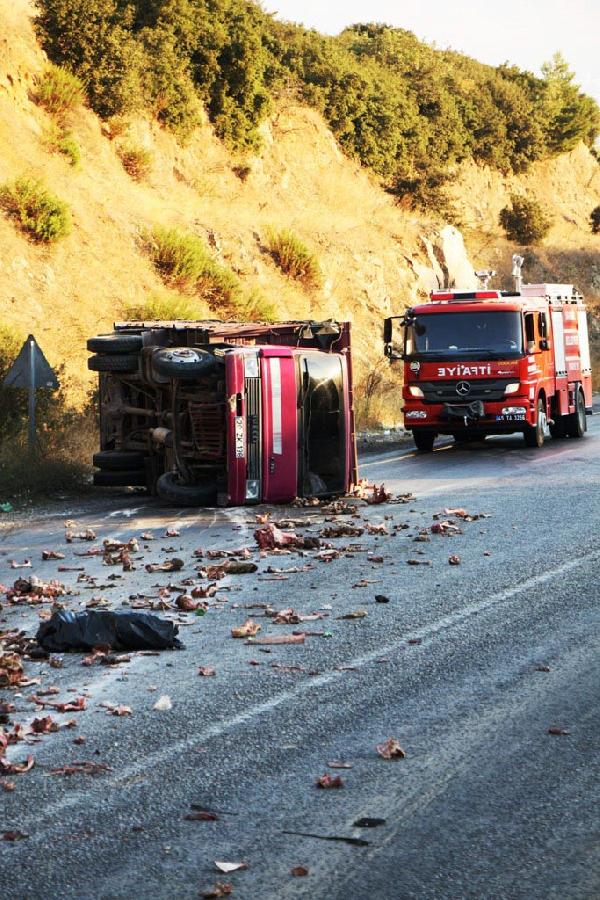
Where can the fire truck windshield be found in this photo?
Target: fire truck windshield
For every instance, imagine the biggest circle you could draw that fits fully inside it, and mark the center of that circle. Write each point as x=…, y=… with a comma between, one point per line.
x=450, y=335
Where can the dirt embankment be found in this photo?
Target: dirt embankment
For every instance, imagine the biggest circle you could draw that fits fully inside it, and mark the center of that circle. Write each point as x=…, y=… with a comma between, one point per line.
x=375, y=258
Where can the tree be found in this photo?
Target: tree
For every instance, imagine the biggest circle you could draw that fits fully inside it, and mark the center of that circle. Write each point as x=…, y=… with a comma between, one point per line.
x=525, y=220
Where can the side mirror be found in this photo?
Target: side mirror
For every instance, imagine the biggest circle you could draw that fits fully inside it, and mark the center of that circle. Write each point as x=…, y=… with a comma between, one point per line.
x=392, y=347
x=544, y=344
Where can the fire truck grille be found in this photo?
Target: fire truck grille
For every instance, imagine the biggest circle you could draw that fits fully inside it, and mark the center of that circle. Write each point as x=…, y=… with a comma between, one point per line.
x=480, y=389
x=208, y=429
x=252, y=386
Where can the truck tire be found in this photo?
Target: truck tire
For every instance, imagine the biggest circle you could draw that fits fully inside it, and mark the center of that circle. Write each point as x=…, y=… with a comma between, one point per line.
x=132, y=478
x=576, y=422
x=424, y=440
x=115, y=343
x=185, y=362
x=534, y=434
x=170, y=489
x=104, y=362
x=119, y=460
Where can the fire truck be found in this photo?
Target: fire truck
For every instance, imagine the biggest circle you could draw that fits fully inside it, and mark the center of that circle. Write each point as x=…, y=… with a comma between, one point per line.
x=208, y=413
x=494, y=362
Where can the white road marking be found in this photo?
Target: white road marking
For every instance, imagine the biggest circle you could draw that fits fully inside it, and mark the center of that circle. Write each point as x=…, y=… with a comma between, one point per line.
x=426, y=635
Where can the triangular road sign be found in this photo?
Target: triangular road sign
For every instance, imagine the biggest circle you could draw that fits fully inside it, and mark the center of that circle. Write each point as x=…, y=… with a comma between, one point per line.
x=31, y=366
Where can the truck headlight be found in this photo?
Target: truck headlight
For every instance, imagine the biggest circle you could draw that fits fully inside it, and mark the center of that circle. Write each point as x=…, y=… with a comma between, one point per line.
x=512, y=388
x=415, y=391
x=253, y=489
x=513, y=411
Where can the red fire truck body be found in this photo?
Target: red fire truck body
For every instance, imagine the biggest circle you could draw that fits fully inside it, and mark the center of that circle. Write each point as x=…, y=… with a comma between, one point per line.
x=495, y=362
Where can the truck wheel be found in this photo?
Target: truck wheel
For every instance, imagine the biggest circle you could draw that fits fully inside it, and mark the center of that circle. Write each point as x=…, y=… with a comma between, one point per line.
x=576, y=422
x=133, y=478
x=185, y=362
x=115, y=343
x=170, y=489
x=121, y=460
x=126, y=362
x=534, y=435
x=424, y=440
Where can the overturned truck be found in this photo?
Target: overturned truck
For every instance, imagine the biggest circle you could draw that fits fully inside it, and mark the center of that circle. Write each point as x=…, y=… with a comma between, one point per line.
x=224, y=413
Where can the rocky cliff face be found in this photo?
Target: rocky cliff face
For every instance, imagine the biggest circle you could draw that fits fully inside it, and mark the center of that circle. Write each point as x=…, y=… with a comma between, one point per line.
x=376, y=258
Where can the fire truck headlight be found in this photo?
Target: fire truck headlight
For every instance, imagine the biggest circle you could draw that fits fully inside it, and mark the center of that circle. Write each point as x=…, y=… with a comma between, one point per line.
x=514, y=411
x=512, y=388
x=415, y=391
x=252, y=489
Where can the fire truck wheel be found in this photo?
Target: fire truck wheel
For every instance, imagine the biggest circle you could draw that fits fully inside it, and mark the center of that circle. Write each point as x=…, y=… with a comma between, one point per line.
x=105, y=362
x=577, y=425
x=133, y=478
x=115, y=343
x=121, y=460
x=534, y=436
x=424, y=440
x=170, y=489
x=185, y=362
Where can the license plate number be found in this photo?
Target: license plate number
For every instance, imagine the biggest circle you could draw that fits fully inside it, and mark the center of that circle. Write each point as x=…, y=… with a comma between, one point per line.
x=240, y=448
x=511, y=418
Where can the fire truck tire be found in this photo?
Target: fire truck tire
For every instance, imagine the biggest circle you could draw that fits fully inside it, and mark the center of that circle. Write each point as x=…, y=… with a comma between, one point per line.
x=115, y=343
x=170, y=489
x=133, y=478
x=576, y=424
x=534, y=435
x=185, y=362
x=424, y=440
x=105, y=362
x=120, y=460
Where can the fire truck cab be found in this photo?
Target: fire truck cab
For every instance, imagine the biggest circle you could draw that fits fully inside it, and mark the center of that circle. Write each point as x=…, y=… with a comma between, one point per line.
x=494, y=362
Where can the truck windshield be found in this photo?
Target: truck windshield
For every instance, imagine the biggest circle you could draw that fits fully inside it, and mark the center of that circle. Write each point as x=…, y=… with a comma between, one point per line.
x=323, y=457
x=494, y=334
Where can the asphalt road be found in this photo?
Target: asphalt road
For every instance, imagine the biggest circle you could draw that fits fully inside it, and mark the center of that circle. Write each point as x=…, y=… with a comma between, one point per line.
x=486, y=804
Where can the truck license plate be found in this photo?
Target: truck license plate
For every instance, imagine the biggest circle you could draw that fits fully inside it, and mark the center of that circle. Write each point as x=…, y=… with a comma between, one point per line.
x=240, y=449
x=511, y=418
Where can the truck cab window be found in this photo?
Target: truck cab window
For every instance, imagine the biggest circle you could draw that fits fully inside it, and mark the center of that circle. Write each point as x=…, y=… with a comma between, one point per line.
x=529, y=328
x=323, y=424
x=543, y=325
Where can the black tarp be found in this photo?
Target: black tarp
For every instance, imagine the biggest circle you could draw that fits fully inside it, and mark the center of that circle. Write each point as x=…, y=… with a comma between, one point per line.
x=120, y=630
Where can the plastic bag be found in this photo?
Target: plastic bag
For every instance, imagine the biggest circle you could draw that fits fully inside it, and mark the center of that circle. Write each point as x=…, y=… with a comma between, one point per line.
x=119, y=630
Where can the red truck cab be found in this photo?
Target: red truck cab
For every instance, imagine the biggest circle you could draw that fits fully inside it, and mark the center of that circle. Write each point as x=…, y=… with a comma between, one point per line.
x=226, y=413
x=495, y=362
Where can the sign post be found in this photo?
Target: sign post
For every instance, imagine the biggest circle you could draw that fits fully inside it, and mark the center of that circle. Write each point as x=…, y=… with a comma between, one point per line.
x=31, y=370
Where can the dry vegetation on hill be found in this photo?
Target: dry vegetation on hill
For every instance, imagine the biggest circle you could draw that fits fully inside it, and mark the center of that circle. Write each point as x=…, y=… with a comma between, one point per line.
x=133, y=176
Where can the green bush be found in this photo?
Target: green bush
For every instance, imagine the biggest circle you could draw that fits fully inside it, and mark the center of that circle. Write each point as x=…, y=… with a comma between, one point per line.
x=254, y=306
x=58, y=91
x=41, y=215
x=137, y=161
x=166, y=306
x=525, y=220
x=595, y=220
x=392, y=102
x=183, y=260
x=57, y=140
x=293, y=257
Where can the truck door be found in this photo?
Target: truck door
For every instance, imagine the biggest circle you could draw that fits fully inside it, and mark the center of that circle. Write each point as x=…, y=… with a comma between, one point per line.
x=324, y=457
x=280, y=427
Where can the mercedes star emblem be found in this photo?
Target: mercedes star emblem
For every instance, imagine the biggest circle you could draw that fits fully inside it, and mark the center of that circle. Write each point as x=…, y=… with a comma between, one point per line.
x=463, y=388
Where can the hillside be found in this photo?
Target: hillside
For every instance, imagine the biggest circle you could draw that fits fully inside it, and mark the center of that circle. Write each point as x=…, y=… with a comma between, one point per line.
x=375, y=257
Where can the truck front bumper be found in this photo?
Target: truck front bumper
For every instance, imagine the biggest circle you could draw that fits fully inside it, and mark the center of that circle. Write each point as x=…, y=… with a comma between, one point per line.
x=500, y=417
